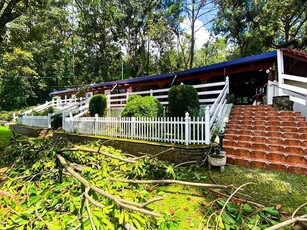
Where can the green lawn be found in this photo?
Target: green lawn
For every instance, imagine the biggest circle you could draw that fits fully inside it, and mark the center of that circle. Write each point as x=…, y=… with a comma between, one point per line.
x=271, y=188
x=5, y=136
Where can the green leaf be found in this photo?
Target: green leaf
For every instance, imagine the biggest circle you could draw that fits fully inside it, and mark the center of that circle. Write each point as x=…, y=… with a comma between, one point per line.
x=227, y=219
x=247, y=208
x=34, y=200
x=239, y=218
x=220, y=222
x=271, y=210
x=121, y=217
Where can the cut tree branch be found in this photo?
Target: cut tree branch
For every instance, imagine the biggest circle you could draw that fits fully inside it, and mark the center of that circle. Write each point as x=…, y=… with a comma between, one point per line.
x=100, y=152
x=302, y=218
x=120, y=202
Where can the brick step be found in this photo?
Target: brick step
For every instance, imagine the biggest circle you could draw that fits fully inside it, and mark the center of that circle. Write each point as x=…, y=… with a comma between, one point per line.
x=266, y=140
x=271, y=156
x=268, y=123
x=280, y=166
x=231, y=131
x=268, y=128
x=264, y=112
x=253, y=113
x=252, y=107
x=267, y=118
x=296, y=150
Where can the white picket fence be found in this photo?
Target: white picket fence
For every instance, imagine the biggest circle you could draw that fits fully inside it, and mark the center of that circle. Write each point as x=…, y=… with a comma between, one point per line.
x=35, y=121
x=177, y=130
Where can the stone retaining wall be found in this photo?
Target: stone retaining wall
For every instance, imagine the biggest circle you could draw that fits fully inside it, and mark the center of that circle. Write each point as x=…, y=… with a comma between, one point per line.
x=29, y=131
x=178, y=155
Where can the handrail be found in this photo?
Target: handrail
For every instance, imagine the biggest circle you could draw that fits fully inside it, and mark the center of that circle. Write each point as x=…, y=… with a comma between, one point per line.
x=275, y=84
x=293, y=91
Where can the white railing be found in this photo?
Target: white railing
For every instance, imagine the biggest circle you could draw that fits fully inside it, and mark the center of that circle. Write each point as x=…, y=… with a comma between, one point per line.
x=58, y=104
x=295, y=95
x=119, y=100
x=289, y=85
x=35, y=121
x=186, y=130
x=219, y=104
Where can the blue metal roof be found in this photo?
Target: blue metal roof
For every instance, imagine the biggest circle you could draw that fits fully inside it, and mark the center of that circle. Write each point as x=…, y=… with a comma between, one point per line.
x=221, y=65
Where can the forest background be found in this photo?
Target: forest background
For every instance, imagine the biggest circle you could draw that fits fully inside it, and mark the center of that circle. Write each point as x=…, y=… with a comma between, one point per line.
x=49, y=45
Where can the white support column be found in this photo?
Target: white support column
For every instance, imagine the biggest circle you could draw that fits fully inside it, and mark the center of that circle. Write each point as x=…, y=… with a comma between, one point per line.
x=207, y=126
x=108, y=101
x=227, y=83
x=270, y=92
x=280, y=72
x=127, y=96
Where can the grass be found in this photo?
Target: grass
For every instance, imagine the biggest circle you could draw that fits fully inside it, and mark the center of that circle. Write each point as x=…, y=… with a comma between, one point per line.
x=5, y=135
x=271, y=188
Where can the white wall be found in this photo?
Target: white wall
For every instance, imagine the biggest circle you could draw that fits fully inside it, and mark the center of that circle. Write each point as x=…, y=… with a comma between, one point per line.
x=300, y=108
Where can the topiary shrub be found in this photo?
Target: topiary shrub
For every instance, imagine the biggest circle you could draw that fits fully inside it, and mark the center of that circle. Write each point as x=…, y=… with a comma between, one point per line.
x=138, y=106
x=182, y=99
x=133, y=96
x=98, y=105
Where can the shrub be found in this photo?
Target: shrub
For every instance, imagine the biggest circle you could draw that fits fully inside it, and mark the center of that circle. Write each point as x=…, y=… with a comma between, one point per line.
x=182, y=99
x=56, y=122
x=98, y=105
x=133, y=96
x=6, y=116
x=138, y=106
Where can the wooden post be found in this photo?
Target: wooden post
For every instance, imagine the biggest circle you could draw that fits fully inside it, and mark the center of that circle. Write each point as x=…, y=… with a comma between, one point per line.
x=132, y=131
x=96, y=124
x=187, y=120
x=49, y=120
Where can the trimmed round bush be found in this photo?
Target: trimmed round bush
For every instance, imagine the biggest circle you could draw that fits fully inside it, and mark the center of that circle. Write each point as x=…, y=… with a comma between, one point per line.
x=98, y=105
x=138, y=106
x=182, y=99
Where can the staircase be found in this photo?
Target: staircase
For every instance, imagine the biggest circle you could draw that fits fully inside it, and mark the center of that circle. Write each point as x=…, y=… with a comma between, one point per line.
x=259, y=136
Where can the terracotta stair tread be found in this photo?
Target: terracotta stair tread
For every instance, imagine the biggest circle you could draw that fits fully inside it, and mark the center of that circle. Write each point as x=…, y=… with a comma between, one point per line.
x=280, y=166
x=266, y=140
x=242, y=151
x=268, y=128
x=259, y=136
x=265, y=133
x=261, y=118
x=269, y=162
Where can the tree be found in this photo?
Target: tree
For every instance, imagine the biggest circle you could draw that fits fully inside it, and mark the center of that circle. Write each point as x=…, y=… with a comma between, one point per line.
x=18, y=80
x=213, y=51
x=12, y=9
x=195, y=10
x=256, y=26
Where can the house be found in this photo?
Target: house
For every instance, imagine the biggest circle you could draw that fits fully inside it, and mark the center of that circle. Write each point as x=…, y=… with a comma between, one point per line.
x=255, y=136
x=249, y=77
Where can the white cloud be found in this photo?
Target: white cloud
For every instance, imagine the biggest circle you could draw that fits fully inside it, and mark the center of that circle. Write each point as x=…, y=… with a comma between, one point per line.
x=202, y=34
